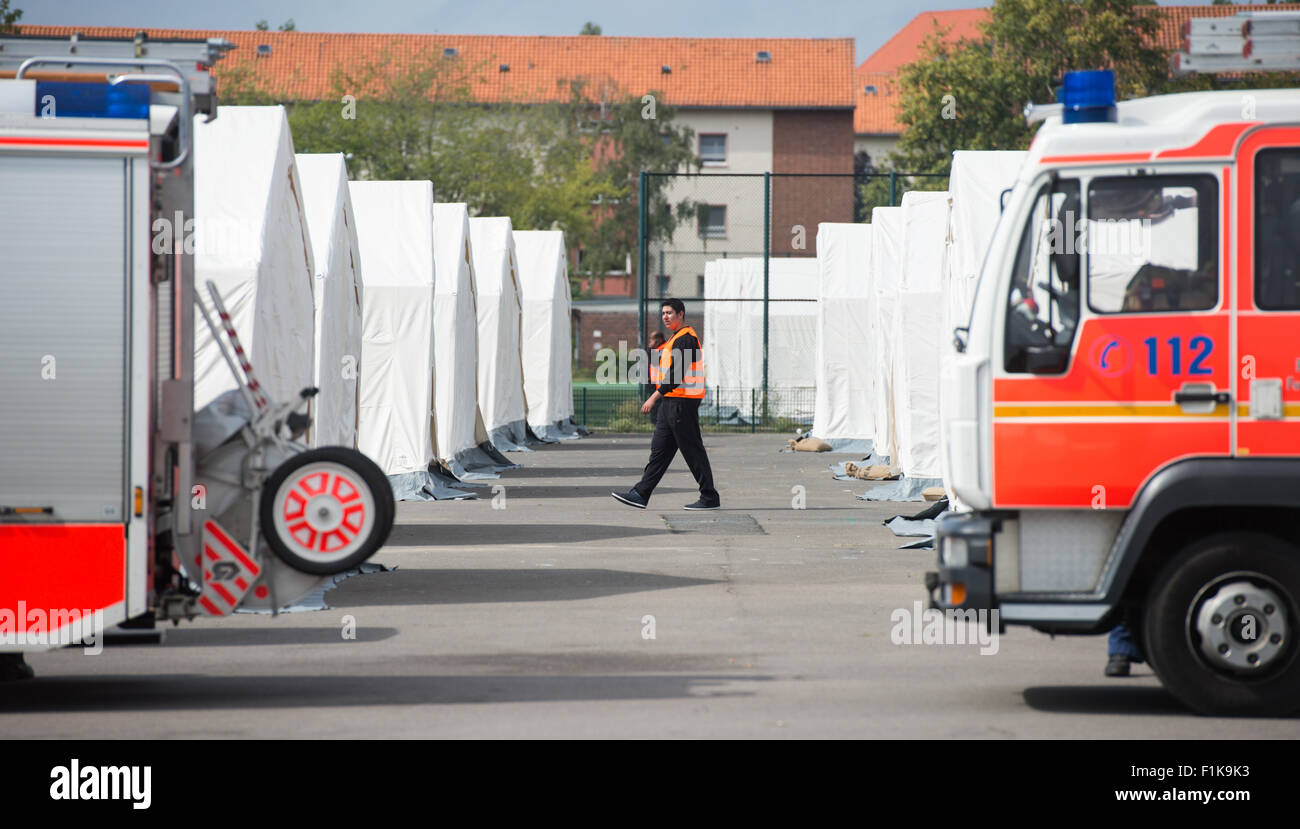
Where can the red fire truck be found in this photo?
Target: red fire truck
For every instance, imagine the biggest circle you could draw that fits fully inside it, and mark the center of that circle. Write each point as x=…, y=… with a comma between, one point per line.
x=1127, y=435
x=118, y=501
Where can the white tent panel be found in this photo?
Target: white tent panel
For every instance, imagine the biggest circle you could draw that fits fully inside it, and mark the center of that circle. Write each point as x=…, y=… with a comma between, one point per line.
x=395, y=229
x=975, y=185
x=791, y=336
x=733, y=334
x=500, y=366
x=455, y=336
x=546, y=333
x=917, y=322
x=252, y=242
x=845, y=350
x=337, y=256
x=886, y=276
x=723, y=280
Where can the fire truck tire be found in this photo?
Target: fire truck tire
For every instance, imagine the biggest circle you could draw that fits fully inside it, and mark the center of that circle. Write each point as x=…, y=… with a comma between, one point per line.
x=326, y=510
x=1221, y=625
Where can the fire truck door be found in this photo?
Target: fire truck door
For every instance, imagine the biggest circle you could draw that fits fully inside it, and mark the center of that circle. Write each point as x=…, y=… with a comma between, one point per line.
x=64, y=428
x=1116, y=352
x=1268, y=294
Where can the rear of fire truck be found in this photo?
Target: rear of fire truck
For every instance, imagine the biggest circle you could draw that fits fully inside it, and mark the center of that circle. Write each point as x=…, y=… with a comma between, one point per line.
x=1126, y=441
x=117, y=502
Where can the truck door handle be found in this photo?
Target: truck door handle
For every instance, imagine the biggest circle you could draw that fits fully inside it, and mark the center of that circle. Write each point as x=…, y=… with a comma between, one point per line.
x=1216, y=397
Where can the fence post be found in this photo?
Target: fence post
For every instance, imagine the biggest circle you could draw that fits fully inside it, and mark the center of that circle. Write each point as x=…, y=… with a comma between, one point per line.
x=893, y=179
x=753, y=408
x=584, y=405
x=767, y=256
x=643, y=256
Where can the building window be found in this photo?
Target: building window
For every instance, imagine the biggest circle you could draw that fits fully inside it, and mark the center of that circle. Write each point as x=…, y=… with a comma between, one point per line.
x=713, y=221
x=699, y=285
x=713, y=149
x=663, y=284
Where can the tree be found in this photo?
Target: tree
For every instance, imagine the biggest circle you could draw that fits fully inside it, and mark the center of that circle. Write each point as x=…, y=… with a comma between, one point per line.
x=287, y=26
x=262, y=26
x=590, y=28
x=637, y=135
x=8, y=18
x=971, y=94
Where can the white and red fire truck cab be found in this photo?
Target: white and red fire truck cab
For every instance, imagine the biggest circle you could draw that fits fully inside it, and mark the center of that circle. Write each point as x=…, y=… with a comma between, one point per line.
x=1127, y=427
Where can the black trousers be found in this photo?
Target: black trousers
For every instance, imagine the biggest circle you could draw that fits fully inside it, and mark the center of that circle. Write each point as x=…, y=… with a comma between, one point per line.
x=678, y=427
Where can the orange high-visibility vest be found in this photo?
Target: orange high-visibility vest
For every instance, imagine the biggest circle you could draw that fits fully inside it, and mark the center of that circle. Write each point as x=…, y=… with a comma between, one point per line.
x=656, y=354
x=692, y=385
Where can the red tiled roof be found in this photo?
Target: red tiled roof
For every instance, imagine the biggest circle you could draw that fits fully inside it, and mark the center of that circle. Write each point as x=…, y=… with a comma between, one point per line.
x=906, y=45
x=878, y=114
x=877, y=103
x=705, y=72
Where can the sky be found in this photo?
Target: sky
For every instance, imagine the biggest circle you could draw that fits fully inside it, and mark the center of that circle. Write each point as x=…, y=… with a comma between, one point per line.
x=869, y=22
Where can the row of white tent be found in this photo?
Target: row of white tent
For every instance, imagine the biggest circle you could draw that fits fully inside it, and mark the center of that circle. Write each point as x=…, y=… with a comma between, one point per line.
x=891, y=293
x=451, y=343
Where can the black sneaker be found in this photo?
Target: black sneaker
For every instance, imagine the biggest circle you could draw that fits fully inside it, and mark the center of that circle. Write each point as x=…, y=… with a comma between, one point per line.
x=703, y=504
x=632, y=498
x=1118, y=665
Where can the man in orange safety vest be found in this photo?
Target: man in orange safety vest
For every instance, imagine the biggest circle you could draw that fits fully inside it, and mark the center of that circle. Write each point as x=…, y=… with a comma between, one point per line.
x=680, y=387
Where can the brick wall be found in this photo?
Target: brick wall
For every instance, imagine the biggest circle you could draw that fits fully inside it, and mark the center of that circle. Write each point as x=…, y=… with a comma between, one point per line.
x=809, y=142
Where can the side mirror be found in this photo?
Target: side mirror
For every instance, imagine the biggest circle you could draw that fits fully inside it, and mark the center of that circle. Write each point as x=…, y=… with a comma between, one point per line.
x=1046, y=359
x=959, y=336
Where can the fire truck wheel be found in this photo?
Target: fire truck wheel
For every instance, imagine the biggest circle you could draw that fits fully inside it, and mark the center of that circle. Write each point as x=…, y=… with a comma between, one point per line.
x=1221, y=625
x=326, y=510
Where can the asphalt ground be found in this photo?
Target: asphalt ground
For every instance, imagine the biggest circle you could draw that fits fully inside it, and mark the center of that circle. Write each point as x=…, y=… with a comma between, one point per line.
x=527, y=613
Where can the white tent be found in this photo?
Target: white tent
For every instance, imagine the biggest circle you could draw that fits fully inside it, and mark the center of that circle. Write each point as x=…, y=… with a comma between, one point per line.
x=725, y=280
x=500, y=370
x=886, y=270
x=337, y=256
x=975, y=187
x=975, y=184
x=461, y=440
x=917, y=323
x=793, y=285
x=252, y=243
x=395, y=229
x=546, y=339
x=733, y=335
x=845, y=349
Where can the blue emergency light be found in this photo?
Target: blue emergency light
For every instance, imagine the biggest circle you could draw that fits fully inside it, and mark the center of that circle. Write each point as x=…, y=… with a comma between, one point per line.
x=1088, y=97
x=62, y=99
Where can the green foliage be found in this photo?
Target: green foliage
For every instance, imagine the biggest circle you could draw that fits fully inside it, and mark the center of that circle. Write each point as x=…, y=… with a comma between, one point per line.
x=590, y=28
x=636, y=135
x=628, y=418
x=262, y=26
x=971, y=94
x=288, y=26
x=8, y=18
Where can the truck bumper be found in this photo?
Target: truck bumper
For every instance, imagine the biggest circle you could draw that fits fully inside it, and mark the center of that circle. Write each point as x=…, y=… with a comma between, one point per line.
x=964, y=580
